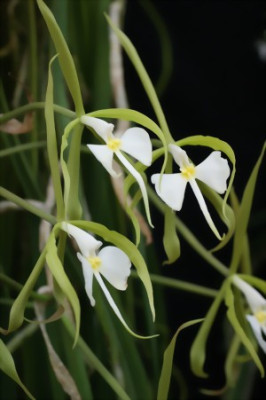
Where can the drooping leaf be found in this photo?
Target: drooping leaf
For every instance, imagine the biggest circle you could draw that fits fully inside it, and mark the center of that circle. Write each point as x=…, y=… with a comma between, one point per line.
x=165, y=377
x=244, y=213
x=57, y=270
x=65, y=58
x=7, y=365
x=170, y=239
x=198, y=348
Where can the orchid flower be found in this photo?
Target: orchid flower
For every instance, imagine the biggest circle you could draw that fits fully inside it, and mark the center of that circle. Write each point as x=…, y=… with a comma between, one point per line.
x=257, y=305
x=110, y=262
x=134, y=141
x=213, y=171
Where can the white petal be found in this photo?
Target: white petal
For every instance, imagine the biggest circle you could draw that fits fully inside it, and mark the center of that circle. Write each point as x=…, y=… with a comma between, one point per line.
x=105, y=156
x=214, y=171
x=203, y=207
x=255, y=325
x=86, y=242
x=179, y=155
x=88, y=277
x=254, y=299
x=136, y=142
x=115, y=266
x=171, y=188
x=140, y=181
x=114, y=306
x=101, y=127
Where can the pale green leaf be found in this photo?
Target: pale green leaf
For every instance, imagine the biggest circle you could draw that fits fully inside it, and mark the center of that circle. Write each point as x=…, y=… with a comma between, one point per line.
x=65, y=58
x=165, y=377
x=52, y=143
x=244, y=213
x=57, y=270
x=7, y=365
x=170, y=239
x=198, y=348
x=144, y=77
x=18, y=308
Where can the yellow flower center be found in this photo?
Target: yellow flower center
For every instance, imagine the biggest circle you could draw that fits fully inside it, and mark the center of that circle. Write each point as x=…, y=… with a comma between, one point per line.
x=114, y=144
x=261, y=316
x=188, y=172
x=95, y=262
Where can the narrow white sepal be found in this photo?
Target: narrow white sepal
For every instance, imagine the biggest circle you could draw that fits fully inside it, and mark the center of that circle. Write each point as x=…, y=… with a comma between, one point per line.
x=136, y=142
x=101, y=127
x=171, y=188
x=257, y=329
x=254, y=299
x=88, y=277
x=203, y=207
x=140, y=181
x=115, y=308
x=105, y=156
x=179, y=155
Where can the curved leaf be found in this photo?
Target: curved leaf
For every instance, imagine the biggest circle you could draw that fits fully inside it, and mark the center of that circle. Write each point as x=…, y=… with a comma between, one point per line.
x=65, y=58
x=7, y=365
x=166, y=372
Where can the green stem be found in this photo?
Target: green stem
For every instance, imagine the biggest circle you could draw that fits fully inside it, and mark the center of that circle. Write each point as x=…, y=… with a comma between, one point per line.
x=33, y=75
x=22, y=147
x=26, y=205
x=91, y=358
x=189, y=237
x=178, y=284
x=17, y=286
x=38, y=105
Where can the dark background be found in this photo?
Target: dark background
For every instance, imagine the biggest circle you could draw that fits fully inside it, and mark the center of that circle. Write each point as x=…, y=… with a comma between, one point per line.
x=217, y=88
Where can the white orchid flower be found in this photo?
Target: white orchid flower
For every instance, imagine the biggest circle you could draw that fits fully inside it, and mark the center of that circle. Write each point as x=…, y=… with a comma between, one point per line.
x=134, y=141
x=110, y=262
x=213, y=171
x=257, y=305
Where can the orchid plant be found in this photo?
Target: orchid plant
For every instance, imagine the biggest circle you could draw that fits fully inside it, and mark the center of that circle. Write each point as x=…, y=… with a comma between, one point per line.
x=76, y=220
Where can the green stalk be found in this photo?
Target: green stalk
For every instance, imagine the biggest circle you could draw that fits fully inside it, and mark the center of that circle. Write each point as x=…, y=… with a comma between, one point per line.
x=17, y=286
x=26, y=205
x=92, y=360
x=37, y=105
x=190, y=238
x=182, y=285
x=22, y=147
x=33, y=75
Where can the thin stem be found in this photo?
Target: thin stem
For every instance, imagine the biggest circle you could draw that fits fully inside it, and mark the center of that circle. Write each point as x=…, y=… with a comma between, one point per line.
x=182, y=285
x=17, y=286
x=38, y=105
x=22, y=147
x=190, y=238
x=92, y=360
x=26, y=205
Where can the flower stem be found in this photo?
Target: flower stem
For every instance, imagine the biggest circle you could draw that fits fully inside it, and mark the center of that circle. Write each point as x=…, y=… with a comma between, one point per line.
x=190, y=238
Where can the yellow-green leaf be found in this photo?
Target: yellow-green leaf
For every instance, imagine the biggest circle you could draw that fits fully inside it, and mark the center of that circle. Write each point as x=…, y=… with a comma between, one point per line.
x=7, y=365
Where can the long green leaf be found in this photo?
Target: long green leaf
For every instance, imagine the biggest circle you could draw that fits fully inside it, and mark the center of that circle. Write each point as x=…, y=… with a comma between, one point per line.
x=65, y=57
x=170, y=239
x=144, y=77
x=57, y=270
x=52, y=143
x=7, y=365
x=165, y=377
x=244, y=213
x=198, y=348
